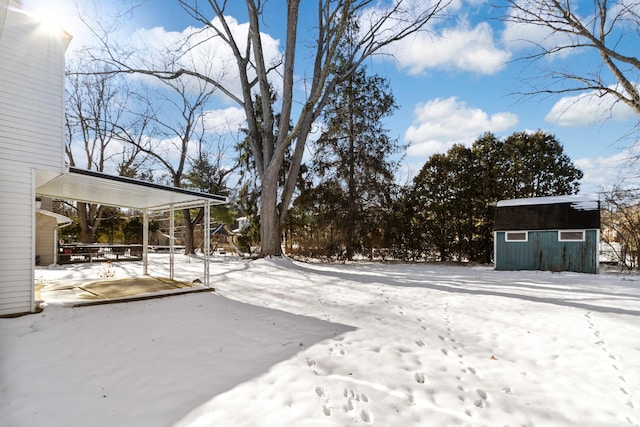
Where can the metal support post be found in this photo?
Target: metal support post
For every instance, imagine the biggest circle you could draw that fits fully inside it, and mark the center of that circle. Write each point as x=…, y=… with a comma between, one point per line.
x=207, y=240
x=145, y=243
x=171, y=240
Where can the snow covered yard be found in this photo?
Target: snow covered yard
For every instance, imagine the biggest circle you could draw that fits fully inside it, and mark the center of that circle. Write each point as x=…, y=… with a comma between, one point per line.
x=282, y=343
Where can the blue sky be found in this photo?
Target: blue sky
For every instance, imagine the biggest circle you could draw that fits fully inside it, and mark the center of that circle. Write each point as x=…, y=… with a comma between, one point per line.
x=451, y=86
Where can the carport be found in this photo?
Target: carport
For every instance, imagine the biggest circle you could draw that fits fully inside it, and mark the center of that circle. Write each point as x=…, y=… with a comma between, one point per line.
x=98, y=188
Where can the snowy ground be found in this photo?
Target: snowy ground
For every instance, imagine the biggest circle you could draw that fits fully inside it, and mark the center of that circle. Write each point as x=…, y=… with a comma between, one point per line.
x=282, y=343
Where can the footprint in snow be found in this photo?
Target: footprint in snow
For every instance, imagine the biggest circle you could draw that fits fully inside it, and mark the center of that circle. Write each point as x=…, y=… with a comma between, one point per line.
x=366, y=416
x=482, y=402
x=349, y=406
x=312, y=364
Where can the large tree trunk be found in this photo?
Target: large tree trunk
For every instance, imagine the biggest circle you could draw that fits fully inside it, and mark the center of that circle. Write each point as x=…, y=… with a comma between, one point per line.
x=254, y=76
x=270, y=235
x=189, y=230
x=189, y=247
x=352, y=207
x=89, y=218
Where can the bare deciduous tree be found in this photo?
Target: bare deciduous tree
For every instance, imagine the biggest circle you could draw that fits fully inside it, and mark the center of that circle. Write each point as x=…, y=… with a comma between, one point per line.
x=172, y=143
x=379, y=27
x=608, y=29
x=96, y=107
x=621, y=225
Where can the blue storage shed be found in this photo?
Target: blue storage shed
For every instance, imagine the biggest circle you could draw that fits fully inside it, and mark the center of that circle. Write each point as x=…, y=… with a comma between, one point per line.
x=558, y=233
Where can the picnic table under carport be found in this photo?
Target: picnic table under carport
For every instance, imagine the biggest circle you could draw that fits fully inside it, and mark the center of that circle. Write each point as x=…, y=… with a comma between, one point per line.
x=99, y=188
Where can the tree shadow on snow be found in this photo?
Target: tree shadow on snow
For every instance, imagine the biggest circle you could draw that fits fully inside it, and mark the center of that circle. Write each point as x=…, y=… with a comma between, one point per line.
x=569, y=290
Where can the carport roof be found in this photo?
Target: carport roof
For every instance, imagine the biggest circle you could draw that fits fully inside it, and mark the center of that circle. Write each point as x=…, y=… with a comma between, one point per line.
x=95, y=187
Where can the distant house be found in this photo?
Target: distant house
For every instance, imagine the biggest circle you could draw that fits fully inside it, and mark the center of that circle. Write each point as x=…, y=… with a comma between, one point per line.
x=221, y=238
x=560, y=233
x=47, y=224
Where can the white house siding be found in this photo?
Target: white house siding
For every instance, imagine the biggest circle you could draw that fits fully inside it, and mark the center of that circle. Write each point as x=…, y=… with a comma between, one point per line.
x=46, y=233
x=31, y=138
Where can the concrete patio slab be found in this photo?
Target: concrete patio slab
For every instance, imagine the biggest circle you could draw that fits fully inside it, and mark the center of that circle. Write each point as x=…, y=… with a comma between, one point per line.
x=83, y=292
x=132, y=286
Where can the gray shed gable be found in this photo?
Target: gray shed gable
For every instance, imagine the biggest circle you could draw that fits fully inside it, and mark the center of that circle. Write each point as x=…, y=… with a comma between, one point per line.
x=548, y=213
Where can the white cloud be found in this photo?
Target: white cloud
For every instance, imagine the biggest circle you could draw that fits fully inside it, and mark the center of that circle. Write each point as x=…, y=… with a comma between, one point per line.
x=203, y=52
x=587, y=109
x=224, y=121
x=521, y=36
x=440, y=123
x=459, y=48
x=441, y=44
x=601, y=173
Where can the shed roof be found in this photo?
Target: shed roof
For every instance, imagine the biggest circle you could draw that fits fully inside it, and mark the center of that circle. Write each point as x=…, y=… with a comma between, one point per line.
x=95, y=187
x=578, y=201
x=549, y=213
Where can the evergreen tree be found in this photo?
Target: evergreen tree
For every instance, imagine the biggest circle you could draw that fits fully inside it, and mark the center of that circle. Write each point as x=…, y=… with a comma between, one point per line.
x=454, y=195
x=431, y=198
x=488, y=169
x=404, y=234
x=210, y=177
x=537, y=166
x=352, y=162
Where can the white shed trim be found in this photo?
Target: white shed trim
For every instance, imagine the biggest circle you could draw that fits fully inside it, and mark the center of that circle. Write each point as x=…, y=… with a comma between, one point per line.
x=578, y=201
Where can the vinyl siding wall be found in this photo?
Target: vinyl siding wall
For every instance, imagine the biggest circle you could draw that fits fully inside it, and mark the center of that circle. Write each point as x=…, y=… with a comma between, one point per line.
x=543, y=251
x=31, y=137
x=46, y=236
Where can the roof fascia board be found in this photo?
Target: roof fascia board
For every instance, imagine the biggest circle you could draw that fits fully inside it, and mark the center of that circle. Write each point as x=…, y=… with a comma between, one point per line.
x=126, y=180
